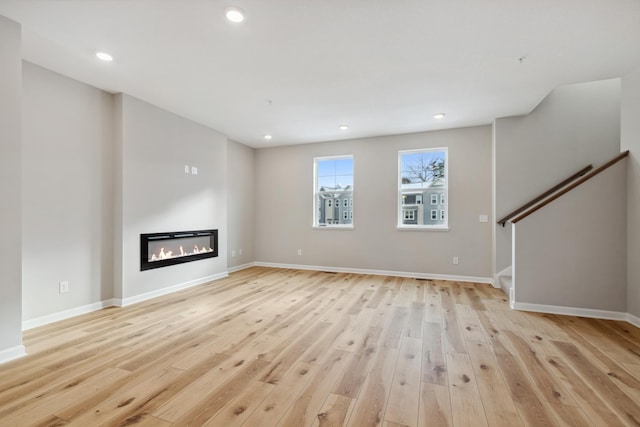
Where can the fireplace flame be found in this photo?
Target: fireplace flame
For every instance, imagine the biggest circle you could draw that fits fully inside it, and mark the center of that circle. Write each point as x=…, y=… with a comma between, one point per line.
x=169, y=254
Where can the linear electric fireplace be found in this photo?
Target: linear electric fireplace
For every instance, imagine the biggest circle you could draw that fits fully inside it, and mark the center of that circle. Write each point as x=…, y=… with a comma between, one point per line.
x=164, y=249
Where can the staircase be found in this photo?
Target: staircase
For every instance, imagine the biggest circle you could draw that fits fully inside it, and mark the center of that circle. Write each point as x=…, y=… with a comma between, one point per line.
x=566, y=256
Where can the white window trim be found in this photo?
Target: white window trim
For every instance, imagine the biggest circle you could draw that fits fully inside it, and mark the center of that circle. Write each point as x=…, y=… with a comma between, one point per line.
x=316, y=208
x=423, y=227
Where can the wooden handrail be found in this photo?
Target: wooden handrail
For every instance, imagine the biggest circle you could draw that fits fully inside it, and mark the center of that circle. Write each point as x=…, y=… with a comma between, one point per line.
x=573, y=185
x=546, y=194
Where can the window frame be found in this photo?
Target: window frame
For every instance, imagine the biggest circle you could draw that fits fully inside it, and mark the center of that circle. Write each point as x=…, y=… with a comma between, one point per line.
x=443, y=198
x=336, y=204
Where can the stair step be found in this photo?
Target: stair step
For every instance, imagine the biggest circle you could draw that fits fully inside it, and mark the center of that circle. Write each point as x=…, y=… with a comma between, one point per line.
x=506, y=282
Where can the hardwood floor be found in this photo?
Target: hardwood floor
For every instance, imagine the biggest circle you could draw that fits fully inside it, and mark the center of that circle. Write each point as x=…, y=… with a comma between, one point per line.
x=274, y=347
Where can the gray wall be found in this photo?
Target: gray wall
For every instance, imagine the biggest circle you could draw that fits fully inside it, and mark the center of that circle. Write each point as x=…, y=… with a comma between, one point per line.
x=240, y=204
x=155, y=194
x=573, y=126
x=67, y=193
x=631, y=141
x=572, y=252
x=284, y=194
x=10, y=189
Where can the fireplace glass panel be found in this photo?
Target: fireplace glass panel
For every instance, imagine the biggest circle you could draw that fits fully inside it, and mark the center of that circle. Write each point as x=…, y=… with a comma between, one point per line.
x=163, y=249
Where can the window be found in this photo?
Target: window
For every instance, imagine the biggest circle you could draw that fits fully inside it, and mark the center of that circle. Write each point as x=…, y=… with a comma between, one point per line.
x=333, y=179
x=423, y=175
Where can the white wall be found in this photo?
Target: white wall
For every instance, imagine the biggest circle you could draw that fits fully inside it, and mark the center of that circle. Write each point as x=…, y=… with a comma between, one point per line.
x=284, y=194
x=10, y=190
x=630, y=140
x=572, y=252
x=155, y=194
x=573, y=126
x=240, y=204
x=67, y=193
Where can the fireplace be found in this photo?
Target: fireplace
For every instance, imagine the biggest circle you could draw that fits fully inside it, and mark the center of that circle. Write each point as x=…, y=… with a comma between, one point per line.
x=164, y=249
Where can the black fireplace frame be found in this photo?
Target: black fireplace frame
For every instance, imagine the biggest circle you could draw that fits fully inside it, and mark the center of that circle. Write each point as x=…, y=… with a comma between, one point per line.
x=145, y=264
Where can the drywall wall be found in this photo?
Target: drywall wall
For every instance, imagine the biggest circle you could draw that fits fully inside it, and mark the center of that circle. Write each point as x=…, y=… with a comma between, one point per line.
x=156, y=195
x=630, y=140
x=573, y=126
x=10, y=190
x=572, y=252
x=284, y=207
x=240, y=204
x=67, y=193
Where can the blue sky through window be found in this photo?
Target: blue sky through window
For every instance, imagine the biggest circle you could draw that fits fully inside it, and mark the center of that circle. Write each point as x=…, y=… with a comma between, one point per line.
x=335, y=172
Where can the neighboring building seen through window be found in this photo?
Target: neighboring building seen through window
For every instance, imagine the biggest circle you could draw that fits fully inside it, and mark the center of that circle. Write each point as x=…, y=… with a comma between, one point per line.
x=333, y=185
x=423, y=176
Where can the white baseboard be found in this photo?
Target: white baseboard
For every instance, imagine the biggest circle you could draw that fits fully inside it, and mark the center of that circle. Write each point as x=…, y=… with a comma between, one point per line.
x=114, y=302
x=241, y=267
x=572, y=311
x=50, y=318
x=168, y=290
x=635, y=321
x=379, y=272
x=12, y=353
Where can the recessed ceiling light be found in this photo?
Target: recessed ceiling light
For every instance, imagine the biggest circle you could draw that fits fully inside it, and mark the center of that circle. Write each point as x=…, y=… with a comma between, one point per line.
x=343, y=127
x=234, y=14
x=268, y=137
x=438, y=116
x=104, y=56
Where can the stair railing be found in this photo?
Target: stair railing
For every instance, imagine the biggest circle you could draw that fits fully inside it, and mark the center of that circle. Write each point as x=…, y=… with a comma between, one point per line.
x=546, y=194
x=571, y=186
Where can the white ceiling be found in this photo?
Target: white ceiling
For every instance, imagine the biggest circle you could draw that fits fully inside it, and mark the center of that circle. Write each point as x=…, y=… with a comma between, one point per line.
x=381, y=66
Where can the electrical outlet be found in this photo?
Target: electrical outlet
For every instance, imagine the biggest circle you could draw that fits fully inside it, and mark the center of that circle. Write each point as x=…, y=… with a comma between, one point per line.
x=194, y=170
x=456, y=260
x=484, y=218
x=239, y=251
x=186, y=168
x=233, y=253
x=299, y=251
x=64, y=287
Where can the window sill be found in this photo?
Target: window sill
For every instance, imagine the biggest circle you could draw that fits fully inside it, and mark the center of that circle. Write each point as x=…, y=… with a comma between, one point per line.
x=417, y=228
x=333, y=227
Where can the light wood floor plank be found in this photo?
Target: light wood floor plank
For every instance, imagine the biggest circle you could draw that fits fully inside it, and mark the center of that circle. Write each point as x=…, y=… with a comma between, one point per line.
x=305, y=408
x=435, y=406
x=404, y=397
x=466, y=404
x=494, y=392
